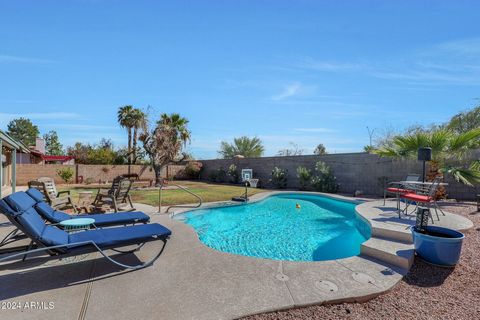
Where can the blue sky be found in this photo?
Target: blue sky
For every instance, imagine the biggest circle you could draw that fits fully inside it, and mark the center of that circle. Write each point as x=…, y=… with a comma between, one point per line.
x=306, y=72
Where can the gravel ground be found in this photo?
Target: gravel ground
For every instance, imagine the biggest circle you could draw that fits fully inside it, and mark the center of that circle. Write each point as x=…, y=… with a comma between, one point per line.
x=426, y=292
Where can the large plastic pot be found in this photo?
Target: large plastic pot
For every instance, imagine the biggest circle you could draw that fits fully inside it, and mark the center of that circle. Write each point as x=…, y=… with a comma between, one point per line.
x=441, y=246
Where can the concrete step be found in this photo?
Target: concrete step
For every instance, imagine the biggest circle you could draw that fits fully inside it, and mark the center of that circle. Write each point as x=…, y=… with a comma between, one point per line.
x=394, y=252
x=395, y=233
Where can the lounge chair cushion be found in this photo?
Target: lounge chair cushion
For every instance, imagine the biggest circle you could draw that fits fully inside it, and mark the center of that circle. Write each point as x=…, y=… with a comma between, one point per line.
x=51, y=214
x=117, y=218
x=20, y=201
x=35, y=194
x=122, y=235
x=101, y=219
x=6, y=209
x=53, y=236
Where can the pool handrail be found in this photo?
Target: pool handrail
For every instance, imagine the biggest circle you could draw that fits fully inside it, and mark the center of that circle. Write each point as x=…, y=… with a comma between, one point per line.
x=200, y=200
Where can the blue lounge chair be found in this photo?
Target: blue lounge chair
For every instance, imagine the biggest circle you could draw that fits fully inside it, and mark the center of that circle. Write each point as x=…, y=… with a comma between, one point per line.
x=19, y=208
x=101, y=219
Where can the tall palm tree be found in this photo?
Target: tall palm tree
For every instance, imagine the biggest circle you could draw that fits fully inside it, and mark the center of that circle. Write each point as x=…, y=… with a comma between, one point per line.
x=179, y=124
x=139, y=123
x=243, y=146
x=448, y=148
x=125, y=119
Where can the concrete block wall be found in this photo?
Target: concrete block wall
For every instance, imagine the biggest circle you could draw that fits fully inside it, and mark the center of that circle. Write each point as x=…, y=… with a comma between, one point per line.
x=354, y=171
x=28, y=172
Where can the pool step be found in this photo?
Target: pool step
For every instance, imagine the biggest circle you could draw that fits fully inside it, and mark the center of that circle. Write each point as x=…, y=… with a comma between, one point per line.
x=400, y=234
x=391, y=251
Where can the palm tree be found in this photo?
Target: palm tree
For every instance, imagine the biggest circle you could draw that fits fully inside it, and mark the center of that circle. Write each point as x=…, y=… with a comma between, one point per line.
x=126, y=120
x=447, y=147
x=179, y=124
x=139, y=122
x=243, y=146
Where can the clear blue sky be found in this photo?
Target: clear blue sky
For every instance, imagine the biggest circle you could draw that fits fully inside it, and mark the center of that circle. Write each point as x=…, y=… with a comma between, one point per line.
x=287, y=71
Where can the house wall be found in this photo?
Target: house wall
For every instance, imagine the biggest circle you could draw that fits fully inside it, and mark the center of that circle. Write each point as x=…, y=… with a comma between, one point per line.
x=93, y=173
x=354, y=171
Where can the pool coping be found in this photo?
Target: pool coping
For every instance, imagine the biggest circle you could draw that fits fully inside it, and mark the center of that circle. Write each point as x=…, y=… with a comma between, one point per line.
x=371, y=267
x=382, y=276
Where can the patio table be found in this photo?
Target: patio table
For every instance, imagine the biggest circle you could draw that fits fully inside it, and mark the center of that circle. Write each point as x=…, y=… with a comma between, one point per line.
x=78, y=224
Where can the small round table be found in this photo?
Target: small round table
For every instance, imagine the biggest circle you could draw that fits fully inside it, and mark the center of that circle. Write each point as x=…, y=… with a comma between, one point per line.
x=77, y=224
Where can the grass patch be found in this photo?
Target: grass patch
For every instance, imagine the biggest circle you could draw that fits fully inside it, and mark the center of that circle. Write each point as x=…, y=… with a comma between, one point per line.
x=208, y=191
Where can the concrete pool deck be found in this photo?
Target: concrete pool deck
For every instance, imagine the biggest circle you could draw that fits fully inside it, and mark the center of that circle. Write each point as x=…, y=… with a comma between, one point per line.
x=193, y=281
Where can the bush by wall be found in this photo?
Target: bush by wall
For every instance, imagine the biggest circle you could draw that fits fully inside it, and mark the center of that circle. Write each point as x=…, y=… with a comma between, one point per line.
x=304, y=177
x=279, y=178
x=324, y=179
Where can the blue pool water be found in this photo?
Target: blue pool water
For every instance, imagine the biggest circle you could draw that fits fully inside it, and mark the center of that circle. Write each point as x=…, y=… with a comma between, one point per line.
x=322, y=229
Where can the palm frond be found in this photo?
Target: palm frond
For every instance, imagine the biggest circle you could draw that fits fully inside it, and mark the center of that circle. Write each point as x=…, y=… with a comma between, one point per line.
x=463, y=175
x=461, y=143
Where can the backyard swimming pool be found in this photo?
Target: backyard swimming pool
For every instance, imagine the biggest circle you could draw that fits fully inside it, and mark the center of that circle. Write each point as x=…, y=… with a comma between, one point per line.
x=290, y=226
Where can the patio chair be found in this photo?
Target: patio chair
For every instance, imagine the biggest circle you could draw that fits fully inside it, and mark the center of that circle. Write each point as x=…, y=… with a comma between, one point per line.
x=398, y=188
x=58, y=200
x=117, y=194
x=101, y=220
x=425, y=195
x=19, y=208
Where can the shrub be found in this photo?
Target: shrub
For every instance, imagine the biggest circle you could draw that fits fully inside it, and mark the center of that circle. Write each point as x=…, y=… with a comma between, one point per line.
x=192, y=169
x=232, y=172
x=279, y=178
x=221, y=175
x=212, y=176
x=89, y=180
x=304, y=176
x=66, y=174
x=324, y=179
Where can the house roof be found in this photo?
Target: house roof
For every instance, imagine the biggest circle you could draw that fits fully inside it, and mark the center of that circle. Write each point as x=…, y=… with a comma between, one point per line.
x=13, y=143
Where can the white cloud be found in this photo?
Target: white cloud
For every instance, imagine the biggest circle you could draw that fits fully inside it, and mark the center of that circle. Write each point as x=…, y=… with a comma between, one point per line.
x=288, y=91
x=312, y=64
x=295, y=89
x=19, y=59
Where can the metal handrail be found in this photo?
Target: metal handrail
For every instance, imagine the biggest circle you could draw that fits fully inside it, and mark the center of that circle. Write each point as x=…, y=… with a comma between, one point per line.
x=200, y=200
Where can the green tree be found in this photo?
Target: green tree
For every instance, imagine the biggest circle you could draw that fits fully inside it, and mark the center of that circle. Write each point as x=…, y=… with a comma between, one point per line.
x=23, y=130
x=80, y=152
x=126, y=119
x=447, y=147
x=320, y=150
x=465, y=121
x=243, y=146
x=53, y=147
x=164, y=143
x=139, y=122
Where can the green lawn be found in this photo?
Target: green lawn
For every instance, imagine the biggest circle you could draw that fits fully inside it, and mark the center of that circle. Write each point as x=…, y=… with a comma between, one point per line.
x=208, y=191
